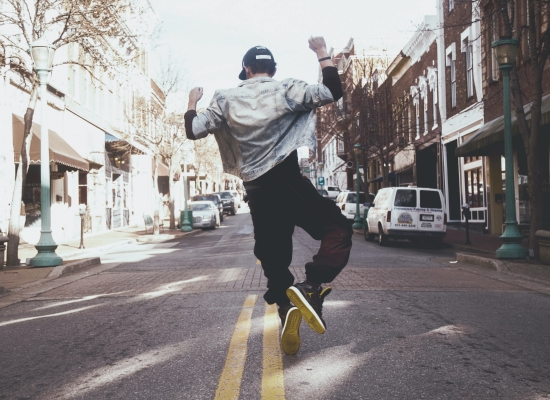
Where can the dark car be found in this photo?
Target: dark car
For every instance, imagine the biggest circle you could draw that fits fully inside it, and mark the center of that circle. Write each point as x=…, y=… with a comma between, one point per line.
x=228, y=202
x=213, y=197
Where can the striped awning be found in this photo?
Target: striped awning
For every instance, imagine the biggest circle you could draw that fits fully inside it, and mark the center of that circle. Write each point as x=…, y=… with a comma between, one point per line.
x=490, y=137
x=60, y=151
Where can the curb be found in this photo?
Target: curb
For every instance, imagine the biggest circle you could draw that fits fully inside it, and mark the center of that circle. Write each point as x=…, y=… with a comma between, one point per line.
x=73, y=267
x=468, y=248
x=484, y=262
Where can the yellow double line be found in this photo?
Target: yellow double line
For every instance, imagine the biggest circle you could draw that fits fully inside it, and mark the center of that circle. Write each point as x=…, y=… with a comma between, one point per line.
x=273, y=387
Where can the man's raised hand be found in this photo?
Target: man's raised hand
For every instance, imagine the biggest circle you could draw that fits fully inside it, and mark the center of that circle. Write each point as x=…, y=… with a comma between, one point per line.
x=194, y=96
x=317, y=44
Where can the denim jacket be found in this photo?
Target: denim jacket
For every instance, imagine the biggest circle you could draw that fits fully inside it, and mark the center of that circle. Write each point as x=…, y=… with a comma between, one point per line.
x=260, y=122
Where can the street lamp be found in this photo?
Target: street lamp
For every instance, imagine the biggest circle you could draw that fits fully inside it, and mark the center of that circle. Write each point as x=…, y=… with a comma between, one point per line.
x=186, y=222
x=42, y=54
x=505, y=52
x=357, y=223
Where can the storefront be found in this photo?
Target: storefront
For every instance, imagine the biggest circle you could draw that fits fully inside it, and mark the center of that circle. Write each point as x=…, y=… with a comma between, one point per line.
x=484, y=173
x=67, y=170
x=464, y=178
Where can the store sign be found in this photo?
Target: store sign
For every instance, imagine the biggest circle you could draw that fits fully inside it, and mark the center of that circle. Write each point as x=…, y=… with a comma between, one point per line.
x=57, y=175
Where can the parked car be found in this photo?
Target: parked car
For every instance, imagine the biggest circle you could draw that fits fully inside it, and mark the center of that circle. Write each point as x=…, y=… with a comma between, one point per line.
x=333, y=192
x=205, y=214
x=236, y=197
x=407, y=213
x=323, y=193
x=228, y=202
x=346, y=201
x=215, y=198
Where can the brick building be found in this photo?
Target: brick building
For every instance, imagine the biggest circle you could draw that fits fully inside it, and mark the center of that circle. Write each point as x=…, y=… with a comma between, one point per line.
x=487, y=142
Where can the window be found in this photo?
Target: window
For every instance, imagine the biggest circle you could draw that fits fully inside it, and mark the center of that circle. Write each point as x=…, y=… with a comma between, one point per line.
x=340, y=146
x=82, y=188
x=405, y=198
x=453, y=84
x=451, y=5
x=469, y=71
x=417, y=126
x=473, y=181
x=430, y=199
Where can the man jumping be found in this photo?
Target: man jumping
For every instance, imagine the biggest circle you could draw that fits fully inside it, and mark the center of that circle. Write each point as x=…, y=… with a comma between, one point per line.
x=259, y=125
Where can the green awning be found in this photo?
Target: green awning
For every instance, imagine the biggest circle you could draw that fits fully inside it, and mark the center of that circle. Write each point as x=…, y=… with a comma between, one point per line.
x=489, y=138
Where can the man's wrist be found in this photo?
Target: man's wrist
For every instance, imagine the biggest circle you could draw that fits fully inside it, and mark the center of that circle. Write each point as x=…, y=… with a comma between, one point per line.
x=322, y=53
x=192, y=105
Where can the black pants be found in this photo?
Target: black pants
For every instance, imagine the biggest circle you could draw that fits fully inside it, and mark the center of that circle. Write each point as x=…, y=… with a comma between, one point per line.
x=281, y=199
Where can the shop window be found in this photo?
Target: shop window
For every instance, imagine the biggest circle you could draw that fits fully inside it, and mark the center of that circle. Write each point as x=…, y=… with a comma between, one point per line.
x=83, y=188
x=473, y=180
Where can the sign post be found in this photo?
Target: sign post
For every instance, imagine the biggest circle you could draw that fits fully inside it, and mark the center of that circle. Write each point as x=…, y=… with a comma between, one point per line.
x=321, y=181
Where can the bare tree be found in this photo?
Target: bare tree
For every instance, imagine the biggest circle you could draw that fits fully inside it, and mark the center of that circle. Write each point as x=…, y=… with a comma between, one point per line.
x=100, y=29
x=370, y=114
x=207, y=157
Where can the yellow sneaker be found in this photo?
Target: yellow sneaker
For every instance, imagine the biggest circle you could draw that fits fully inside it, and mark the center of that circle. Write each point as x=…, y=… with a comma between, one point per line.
x=290, y=336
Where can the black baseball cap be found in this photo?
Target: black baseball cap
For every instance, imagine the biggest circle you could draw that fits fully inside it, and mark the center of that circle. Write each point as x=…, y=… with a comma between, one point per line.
x=255, y=53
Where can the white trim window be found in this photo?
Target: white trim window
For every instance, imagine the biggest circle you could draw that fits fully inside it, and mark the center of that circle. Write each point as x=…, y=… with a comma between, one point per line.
x=453, y=83
x=451, y=57
x=451, y=5
x=469, y=70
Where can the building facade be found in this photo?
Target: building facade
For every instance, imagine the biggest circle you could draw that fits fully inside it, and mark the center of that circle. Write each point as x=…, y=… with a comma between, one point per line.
x=86, y=113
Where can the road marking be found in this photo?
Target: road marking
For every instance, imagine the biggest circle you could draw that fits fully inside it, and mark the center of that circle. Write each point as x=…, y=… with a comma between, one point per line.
x=273, y=385
x=229, y=385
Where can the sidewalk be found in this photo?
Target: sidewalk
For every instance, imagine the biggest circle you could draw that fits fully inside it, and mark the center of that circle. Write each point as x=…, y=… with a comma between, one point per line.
x=480, y=243
x=482, y=253
x=75, y=259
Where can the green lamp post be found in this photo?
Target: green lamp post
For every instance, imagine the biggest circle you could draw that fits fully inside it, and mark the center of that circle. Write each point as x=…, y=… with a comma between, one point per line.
x=505, y=50
x=186, y=224
x=42, y=54
x=357, y=223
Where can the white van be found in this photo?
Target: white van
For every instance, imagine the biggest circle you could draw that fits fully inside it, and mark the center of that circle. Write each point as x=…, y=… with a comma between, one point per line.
x=407, y=213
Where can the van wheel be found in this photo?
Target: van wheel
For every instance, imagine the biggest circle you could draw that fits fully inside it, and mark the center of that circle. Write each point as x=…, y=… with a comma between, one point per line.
x=382, y=238
x=233, y=211
x=369, y=237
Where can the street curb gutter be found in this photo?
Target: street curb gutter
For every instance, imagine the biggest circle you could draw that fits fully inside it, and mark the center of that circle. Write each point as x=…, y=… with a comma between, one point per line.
x=59, y=271
x=73, y=267
x=484, y=262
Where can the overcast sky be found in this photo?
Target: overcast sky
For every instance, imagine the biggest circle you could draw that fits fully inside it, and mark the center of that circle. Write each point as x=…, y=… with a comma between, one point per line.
x=210, y=37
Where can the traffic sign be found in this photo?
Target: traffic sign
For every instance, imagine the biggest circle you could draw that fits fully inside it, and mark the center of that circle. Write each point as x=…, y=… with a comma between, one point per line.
x=321, y=180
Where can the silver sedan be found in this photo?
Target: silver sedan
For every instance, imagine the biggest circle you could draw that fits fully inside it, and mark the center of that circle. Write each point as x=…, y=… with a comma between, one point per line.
x=204, y=214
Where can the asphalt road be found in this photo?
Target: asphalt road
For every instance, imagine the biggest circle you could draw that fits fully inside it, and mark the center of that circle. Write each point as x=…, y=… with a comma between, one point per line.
x=186, y=320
